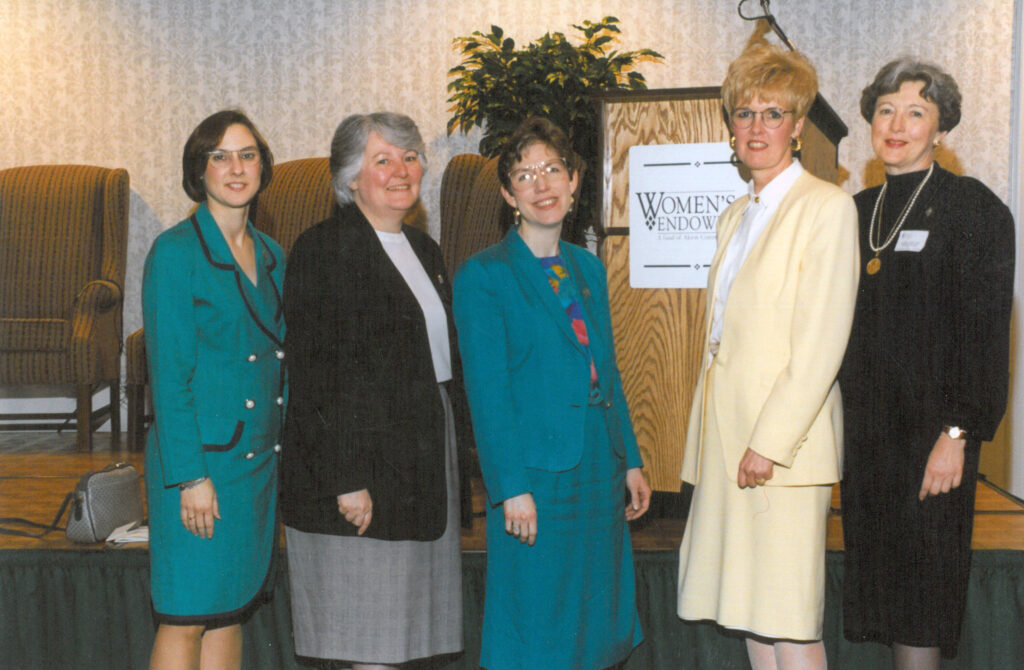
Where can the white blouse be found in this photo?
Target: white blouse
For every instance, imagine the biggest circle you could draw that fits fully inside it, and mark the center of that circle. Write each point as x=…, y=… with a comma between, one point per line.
x=401, y=254
x=759, y=212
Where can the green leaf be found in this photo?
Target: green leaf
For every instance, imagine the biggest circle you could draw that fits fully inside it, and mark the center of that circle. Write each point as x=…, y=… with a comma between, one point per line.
x=497, y=85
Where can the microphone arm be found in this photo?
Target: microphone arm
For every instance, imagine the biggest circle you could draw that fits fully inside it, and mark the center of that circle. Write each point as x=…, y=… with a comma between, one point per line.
x=767, y=15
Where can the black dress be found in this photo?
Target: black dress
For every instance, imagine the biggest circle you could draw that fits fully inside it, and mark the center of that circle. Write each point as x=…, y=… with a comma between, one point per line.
x=929, y=348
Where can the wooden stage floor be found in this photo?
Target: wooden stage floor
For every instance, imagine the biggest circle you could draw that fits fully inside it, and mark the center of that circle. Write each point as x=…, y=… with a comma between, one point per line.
x=38, y=469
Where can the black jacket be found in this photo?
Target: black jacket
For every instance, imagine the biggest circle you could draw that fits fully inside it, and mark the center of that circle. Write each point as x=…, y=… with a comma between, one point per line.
x=364, y=409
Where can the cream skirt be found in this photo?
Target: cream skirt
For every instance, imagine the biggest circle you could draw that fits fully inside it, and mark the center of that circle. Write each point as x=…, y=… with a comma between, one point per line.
x=753, y=559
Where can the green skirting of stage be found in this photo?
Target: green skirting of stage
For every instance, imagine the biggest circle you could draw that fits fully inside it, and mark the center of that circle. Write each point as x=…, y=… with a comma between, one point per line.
x=88, y=610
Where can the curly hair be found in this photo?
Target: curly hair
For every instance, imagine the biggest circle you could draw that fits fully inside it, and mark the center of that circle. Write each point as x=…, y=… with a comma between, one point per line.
x=939, y=87
x=768, y=72
x=531, y=131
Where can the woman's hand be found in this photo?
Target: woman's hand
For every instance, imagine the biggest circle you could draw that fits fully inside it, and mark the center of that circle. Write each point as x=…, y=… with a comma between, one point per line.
x=357, y=508
x=754, y=469
x=199, y=509
x=639, y=494
x=945, y=467
x=521, y=517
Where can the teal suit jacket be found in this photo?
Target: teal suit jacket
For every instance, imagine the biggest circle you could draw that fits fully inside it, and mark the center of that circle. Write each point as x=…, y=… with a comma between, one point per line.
x=214, y=344
x=527, y=376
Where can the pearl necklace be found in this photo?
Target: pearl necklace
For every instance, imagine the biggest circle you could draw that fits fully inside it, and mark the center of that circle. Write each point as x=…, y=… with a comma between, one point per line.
x=875, y=264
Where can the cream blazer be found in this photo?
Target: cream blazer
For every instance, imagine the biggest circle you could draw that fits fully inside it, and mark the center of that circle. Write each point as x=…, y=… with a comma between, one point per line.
x=784, y=332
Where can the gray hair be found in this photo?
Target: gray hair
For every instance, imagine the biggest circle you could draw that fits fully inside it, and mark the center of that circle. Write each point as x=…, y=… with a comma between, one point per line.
x=350, y=141
x=939, y=87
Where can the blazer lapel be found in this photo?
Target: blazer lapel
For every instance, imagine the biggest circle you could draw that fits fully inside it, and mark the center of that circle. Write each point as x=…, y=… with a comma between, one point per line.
x=781, y=215
x=392, y=283
x=215, y=248
x=534, y=282
x=436, y=278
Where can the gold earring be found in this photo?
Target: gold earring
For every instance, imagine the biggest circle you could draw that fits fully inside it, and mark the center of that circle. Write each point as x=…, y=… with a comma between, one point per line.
x=796, y=144
x=517, y=218
x=732, y=141
x=936, y=142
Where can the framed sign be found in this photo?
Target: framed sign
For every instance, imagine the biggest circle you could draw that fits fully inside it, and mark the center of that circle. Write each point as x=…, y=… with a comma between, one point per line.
x=676, y=193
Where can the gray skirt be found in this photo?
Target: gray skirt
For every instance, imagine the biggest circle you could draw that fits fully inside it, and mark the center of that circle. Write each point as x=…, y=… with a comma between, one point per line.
x=373, y=601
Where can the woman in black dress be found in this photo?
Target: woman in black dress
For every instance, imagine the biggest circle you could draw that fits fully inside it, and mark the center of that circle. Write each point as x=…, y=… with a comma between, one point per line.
x=924, y=380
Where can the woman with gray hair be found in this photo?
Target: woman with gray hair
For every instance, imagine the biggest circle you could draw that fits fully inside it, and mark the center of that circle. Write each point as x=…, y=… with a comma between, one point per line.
x=925, y=376
x=370, y=475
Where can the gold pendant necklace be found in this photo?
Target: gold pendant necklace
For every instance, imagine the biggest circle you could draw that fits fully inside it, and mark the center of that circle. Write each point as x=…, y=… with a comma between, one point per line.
x=875, y=264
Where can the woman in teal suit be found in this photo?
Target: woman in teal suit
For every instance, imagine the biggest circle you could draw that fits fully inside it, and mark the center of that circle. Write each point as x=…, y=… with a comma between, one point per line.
x=214, y=332
x=552, y=428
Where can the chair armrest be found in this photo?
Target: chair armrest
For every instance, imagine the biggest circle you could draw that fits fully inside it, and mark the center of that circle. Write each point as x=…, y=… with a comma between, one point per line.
x=135, y=371
x=98, y=296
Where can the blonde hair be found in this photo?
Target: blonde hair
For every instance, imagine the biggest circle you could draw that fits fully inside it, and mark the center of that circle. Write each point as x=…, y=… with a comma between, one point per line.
x=770, y=73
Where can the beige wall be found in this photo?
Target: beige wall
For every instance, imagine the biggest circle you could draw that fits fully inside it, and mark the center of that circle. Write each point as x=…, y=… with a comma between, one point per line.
x=122, y=82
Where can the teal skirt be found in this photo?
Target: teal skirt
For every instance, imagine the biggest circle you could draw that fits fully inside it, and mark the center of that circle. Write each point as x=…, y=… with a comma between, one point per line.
x=568, y=602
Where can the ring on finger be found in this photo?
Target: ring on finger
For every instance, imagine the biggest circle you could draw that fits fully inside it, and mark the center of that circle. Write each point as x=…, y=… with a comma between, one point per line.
x=760, y=482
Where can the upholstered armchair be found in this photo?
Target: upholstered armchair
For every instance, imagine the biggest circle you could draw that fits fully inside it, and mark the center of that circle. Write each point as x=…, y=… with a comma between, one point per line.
x=298, y=196
x=63, y=243
x=473, y=214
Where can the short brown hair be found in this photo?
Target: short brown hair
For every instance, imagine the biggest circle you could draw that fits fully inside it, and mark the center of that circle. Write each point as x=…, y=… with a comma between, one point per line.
x=770, y=73
x=939, y=87
x=205, y=138
x=531, y=131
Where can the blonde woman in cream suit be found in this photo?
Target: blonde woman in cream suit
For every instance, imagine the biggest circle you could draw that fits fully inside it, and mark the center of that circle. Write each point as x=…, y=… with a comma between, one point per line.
x=764, y=443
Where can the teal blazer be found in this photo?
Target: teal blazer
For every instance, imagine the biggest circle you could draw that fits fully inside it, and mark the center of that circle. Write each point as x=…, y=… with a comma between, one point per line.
x=214, y=345
x=526, y=374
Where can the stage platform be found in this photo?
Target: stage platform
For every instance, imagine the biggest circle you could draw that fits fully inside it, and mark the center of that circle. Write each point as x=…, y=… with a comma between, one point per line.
x=68, y=606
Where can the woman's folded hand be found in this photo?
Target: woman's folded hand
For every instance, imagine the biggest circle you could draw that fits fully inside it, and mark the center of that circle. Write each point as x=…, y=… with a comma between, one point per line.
x=754, y=469
x=357, y=508
x=521, y=518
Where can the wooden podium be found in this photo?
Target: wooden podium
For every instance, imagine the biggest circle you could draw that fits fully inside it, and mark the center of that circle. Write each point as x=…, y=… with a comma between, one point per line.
x=658, y=331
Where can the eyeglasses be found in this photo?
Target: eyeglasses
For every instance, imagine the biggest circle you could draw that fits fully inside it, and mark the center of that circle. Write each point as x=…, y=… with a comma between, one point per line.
x=222, y=157
x=525, y=177
x=772, y=117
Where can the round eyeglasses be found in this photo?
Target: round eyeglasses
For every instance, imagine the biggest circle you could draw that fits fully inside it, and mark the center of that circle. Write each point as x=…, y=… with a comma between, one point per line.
x=525, y=177
x=222, y=157
x=743, y=117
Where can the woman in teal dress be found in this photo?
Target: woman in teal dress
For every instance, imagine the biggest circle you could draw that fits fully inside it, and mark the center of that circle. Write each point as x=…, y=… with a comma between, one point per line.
x=214, y=331
x=556, y=445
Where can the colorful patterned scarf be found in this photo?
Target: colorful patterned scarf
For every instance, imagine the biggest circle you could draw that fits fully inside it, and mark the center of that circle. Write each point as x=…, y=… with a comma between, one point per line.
x=565, y=289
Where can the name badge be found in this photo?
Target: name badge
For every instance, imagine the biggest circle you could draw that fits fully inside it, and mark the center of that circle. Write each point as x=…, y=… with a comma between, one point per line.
x=911, y=240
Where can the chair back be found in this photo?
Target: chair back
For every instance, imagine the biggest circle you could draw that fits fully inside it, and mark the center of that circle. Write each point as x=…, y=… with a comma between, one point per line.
x=473, y=214
x=61, y=226
x=298, y=197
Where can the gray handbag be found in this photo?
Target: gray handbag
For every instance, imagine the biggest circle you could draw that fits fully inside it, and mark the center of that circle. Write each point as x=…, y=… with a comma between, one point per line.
x=103, y=501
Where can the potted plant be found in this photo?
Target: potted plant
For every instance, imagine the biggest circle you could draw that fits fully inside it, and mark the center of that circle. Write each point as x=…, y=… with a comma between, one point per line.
x=497, y=86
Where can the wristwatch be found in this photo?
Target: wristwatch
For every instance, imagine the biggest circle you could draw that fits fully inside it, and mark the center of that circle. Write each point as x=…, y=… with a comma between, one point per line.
x=955, y=432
